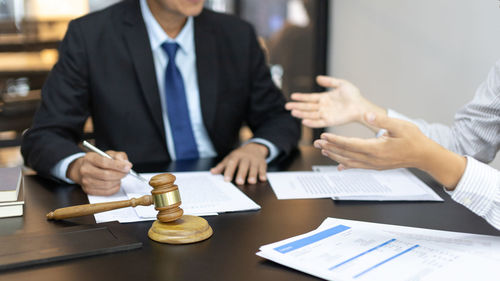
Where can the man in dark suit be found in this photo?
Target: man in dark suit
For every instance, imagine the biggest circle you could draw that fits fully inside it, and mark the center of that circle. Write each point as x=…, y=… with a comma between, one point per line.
x=162, y=80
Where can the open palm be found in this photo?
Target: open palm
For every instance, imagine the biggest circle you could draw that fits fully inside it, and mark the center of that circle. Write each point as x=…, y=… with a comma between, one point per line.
x=341, y=105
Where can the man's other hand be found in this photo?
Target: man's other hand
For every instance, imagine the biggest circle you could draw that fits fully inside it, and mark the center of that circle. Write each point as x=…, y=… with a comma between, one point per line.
x=245, y=163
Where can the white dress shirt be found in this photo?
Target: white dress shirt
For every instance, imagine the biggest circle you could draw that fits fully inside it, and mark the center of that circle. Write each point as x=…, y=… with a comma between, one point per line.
x=186, y=62
x=476, y=134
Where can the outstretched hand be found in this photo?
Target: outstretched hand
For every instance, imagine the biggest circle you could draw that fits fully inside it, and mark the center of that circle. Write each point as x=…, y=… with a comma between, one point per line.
x=402, y=146
x=341, y=105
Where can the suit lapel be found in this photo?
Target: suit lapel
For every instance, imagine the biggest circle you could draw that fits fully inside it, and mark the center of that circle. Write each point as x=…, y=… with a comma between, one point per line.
x=207, y=67
x=137, y=41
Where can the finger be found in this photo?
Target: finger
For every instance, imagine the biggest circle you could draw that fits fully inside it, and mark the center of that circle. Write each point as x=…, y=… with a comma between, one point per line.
x=219, y=167
x=106, y=163
x=91, y=171
x=306, y=115
x=312, y=97
x=328, y=82
x=230, y=168
x=352, y=144
x=392, y=125
x=303, y=106
x=263, y=171
x=253, y=172
x=93, y=183
x=319, y=123
x=343, y=152
x=102, y=192
x=337, y=158
x=118, y=155
x=346, y=163
x=242, y=171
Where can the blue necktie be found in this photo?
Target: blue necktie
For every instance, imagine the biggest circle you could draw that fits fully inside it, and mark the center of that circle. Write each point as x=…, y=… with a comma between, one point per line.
x=177, y=108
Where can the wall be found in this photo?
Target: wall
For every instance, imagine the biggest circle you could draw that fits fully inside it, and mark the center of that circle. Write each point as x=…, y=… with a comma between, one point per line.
x=423, y=58
x=55, y=9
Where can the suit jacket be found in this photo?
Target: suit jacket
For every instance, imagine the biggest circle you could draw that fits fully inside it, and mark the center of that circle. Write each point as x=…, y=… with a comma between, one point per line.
x=106, y=70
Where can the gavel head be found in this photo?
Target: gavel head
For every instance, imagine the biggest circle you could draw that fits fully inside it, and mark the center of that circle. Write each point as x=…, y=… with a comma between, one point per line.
x=166, y=197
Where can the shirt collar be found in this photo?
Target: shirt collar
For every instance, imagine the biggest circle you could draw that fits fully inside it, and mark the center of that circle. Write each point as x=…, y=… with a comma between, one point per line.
x=157, y=35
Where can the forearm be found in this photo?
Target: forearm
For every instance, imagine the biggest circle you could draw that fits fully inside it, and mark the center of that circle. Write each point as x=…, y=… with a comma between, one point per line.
x=448, y=137
x=443, y=165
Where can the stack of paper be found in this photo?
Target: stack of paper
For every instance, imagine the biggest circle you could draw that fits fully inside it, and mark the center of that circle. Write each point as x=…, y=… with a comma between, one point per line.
x=202, y=194
x=353, y=250
x=353, y=184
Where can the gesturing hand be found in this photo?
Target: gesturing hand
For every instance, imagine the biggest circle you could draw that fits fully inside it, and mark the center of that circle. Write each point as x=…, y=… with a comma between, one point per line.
x=341, y=105
x=249, y=161
x=98, y=175
x=404, y=145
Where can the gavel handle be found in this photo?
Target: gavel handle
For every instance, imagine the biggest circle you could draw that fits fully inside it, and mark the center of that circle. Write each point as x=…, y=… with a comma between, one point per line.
x=89, y=209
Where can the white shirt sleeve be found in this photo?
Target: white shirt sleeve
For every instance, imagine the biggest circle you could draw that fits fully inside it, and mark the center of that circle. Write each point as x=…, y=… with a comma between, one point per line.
x=475, y=133
x=479, y=187
x=479, y=190
x=60, y=169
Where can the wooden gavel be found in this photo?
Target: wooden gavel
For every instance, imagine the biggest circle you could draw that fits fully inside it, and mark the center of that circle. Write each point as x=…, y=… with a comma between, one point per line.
x=165, y=196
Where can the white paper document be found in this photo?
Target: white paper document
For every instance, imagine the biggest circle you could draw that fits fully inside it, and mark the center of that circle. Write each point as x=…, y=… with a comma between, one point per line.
x=353, y=184
x=427, y=195
x=483, y=245
x=351, y=250
x=201, y=193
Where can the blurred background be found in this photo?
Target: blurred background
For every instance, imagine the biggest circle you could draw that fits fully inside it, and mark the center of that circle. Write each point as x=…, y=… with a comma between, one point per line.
x=292, y=33
x=423, y=58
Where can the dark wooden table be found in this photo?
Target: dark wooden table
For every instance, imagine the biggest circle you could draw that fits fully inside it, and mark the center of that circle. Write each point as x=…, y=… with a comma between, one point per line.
x=230, y=253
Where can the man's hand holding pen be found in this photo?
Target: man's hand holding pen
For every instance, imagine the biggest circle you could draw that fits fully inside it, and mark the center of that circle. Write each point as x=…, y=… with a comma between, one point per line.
x=99, y=175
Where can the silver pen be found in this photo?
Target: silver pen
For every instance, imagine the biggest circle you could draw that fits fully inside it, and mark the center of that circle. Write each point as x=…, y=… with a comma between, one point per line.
x=104, y=154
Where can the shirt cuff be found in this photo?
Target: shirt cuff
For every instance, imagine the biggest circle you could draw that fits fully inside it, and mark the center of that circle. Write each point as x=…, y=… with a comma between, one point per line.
x=273, y=150
x=477, y=188
x=394, y=114
x=60, y=169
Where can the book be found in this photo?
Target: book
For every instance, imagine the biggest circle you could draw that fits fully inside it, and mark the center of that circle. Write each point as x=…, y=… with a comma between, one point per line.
x=13, y=208
x=10, y=181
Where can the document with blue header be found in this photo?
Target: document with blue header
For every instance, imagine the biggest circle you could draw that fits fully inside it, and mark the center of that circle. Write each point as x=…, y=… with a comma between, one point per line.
x=353, y=250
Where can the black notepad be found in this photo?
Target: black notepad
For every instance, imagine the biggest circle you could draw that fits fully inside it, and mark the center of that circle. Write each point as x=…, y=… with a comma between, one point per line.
x=71, y=242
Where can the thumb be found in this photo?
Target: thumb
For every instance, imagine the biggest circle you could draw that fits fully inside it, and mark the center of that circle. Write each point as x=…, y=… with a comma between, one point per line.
x=383, y=121
x=328, y=82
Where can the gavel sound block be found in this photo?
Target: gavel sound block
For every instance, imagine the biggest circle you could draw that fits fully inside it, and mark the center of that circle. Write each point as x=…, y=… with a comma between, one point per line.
x=171, y=227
